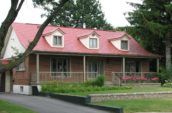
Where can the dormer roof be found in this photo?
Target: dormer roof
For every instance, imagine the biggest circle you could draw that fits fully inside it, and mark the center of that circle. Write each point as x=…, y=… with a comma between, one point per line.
x=26, y=32
x=54, y=30
x=88, y=34
x=120, y=36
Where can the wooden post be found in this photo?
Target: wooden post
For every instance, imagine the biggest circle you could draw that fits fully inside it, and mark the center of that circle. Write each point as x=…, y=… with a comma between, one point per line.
x=37, y=68
x=84, y=67
x=123, y=66
x=157, y=60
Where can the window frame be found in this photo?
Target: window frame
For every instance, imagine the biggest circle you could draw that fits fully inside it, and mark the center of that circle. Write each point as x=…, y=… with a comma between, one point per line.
x=57, y=61
x=21, y=67
x=122, y=46
x=133, y=66
x=57, y=44
x=91, y=43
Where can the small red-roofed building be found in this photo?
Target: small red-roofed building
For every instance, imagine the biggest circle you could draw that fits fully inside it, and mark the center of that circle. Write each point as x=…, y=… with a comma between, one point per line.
x=67, y=54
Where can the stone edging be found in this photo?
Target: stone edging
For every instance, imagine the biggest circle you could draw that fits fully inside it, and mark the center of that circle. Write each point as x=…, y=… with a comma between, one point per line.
x=85, y=101
x=120, y=96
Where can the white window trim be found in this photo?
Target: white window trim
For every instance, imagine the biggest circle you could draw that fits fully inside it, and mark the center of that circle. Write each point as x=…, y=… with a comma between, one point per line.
x=21, y=69
x=128, y=45
x=60, y=46
x=97, y=42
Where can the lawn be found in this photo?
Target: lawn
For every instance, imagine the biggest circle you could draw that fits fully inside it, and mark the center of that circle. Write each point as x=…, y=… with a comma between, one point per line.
x=141, y=105
x=84, y=90
x=127, y=89
x=6, y=107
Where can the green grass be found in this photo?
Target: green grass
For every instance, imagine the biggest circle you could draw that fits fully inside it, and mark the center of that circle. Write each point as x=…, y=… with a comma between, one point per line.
x=6, y=107
x=130, y=89
x=141, y=105
x=77, y=89
x=84, y=90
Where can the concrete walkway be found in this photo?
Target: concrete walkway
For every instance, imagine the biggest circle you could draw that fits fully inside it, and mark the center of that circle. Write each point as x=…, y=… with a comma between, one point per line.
x=47, y=105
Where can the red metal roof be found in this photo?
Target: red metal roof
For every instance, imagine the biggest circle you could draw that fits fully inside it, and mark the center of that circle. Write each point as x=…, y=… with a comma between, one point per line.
x=26, y=33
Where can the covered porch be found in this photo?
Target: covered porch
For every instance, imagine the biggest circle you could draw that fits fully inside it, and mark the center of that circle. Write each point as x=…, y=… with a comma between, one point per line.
x=81, y=68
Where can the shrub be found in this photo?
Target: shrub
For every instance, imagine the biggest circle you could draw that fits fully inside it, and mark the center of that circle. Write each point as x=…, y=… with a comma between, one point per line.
x=169, y=84
x=165, y=75
x=99, y=81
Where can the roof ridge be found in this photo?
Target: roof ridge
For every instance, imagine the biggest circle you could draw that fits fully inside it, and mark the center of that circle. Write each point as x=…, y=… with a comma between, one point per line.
x=72, y=27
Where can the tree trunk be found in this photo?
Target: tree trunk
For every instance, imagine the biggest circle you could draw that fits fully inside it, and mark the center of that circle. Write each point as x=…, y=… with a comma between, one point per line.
x=11, y=16
x=168, y=53
x=32, y=44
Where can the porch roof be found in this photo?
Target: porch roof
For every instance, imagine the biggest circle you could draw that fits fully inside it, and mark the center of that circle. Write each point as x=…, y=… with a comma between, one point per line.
x=26, y=33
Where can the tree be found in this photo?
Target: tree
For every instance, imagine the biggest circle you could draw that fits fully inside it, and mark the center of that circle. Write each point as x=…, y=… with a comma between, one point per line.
x=12, y=14
x=153, y=19
x=132, y=31
x=81, y=13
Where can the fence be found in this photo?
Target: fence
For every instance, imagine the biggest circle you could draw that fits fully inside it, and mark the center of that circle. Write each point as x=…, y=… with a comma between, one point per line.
x=73, y=77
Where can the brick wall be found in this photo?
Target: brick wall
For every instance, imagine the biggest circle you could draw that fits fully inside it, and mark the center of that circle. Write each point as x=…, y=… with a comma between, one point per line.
x=22, y=77
x=76, y=65
x=112, y=65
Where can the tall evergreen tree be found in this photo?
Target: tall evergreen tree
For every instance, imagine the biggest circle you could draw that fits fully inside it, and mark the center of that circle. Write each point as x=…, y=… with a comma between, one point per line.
x=153, y=21
x=81, y=13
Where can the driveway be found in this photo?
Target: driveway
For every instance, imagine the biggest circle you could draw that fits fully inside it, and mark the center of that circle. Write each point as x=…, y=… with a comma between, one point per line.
x=47, y=105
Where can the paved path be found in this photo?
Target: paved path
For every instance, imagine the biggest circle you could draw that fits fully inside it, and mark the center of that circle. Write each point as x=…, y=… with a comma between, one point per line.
x=47, y=105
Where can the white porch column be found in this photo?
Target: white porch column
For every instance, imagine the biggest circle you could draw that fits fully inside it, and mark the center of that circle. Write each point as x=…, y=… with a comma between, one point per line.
x=37, y=68
x=123, y=66
x=157, y=60
x=84, y=67
x=8, y=81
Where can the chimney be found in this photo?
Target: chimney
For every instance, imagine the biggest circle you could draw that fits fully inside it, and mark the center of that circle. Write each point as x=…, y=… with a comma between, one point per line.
x=84, y=25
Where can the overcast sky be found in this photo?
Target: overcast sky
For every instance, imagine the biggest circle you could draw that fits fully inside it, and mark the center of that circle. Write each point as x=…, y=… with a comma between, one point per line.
x=113, y=9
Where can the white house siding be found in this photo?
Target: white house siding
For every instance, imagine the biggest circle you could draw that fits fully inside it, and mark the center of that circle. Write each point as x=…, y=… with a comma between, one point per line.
x=49, y=38
x=117, y=43
x=13, y=46
x=85, y=41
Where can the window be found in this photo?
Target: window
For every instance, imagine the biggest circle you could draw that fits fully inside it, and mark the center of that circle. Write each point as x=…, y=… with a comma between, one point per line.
x=124, y=44
x=59, y=66
x=21, y=89
x=94, y=69
x=20, y=67
x=57, y=40
x=133, y=66
x=93, y=43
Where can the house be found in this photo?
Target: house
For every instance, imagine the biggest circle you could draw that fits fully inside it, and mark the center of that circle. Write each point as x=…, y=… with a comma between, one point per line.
x=68, y=54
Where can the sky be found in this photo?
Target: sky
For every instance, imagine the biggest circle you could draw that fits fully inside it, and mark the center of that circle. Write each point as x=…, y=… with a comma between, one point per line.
x=113, y=9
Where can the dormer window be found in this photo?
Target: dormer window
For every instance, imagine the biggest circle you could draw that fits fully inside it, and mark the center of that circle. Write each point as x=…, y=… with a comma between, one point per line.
x=93, y=43
x=124, y=44
x=57, y=40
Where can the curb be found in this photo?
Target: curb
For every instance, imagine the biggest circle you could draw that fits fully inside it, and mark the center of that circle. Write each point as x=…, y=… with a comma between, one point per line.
x=85, y=101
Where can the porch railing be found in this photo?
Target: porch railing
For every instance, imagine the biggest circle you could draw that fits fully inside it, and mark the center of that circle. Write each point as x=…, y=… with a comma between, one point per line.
x=133, y=77
x=74, y=77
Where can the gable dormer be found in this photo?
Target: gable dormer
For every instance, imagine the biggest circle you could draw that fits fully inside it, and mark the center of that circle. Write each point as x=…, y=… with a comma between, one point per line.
x=90, y=40
x=55, y=38
x=121, y=43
